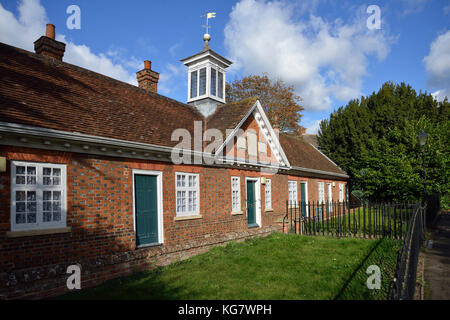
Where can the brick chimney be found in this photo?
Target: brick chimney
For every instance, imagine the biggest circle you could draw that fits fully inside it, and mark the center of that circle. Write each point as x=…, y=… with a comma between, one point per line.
x=147, y=78
x=48, y=46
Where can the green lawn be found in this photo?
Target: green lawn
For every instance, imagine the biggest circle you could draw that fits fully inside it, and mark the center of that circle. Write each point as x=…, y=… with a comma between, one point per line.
x=279, y=266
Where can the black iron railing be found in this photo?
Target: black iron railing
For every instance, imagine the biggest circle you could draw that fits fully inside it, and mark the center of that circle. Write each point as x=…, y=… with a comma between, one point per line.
x=404, y=283
x=343, y=219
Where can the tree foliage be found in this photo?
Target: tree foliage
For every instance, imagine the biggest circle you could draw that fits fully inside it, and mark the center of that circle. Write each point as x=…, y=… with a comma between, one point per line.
x=375, y=140
x=278, y=99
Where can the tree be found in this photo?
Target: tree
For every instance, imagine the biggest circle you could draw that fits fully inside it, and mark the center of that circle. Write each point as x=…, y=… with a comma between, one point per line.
x=375, y=140
x=278, y=99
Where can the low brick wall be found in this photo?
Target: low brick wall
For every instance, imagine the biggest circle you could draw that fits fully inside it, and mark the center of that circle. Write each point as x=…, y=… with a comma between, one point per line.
x=50, y=280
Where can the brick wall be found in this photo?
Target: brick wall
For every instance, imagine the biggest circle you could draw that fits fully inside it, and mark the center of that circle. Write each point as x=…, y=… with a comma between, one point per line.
x=100, y=213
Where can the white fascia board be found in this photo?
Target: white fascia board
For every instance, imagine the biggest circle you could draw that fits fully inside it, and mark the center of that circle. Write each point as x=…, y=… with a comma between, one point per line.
x=271, y=132
x=205, y=56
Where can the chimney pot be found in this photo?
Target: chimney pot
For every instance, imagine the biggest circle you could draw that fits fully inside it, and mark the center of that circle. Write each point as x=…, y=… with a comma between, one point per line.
x=147, y=78
x=50, y=31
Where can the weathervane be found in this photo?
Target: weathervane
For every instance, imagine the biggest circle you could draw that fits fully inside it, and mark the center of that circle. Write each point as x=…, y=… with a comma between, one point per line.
x=209, y=15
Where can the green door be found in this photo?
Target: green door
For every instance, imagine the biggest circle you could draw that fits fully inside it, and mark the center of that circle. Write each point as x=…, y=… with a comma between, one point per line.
x=303, y=197
x=251, y=204
x=146, y=206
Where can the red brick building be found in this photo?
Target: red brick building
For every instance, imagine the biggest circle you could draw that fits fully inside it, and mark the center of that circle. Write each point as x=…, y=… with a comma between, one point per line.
x=90, y=171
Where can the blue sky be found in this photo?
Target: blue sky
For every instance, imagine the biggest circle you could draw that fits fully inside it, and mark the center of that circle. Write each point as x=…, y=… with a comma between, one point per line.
x=321, y=47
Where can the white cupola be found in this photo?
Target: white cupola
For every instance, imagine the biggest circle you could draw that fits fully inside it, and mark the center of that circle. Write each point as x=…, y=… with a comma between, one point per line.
x=206, y=79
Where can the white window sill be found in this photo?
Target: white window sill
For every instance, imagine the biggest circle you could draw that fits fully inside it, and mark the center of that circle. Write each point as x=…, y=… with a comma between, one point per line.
x=268, y=210
x=32, y=233
x=237, y=213
x=188, y=218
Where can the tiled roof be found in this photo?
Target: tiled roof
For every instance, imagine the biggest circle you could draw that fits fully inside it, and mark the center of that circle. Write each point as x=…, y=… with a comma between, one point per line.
x=46, y=93
x=302, y=154
x=41, y=92
x=311, y=139
x=229, y=115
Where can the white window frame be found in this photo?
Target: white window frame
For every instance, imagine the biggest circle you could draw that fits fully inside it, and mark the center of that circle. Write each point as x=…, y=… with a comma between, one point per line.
x=236, y=207
x=208, y=65
x=341, y=192
x=330, y=197
x=321, y=194
x=39, y=188
x=291, y=199
x=268, y=194
x=186, y=189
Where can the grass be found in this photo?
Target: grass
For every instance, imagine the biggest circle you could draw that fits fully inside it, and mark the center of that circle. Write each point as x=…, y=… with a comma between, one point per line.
x=279, y=266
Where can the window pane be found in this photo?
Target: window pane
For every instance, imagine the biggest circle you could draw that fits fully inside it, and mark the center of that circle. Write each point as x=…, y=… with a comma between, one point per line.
x=47, y=181
x=31, y=196
x=20, y=195
x=202, y=81
x=56, y=206
x=47, y=171
x=20, y=180
x=57, y=172
x=20, y=218
x=220, y=85
x=31, y=207
x=31, y=180
x=47, y=217
x=47, y=206
x=193, y=84
x=47, y=195
x=57, y=195
x=213, y=82
x=31, y=171
x=57, y=216
x=31, y=217
x=20, y=170
x=56, y=181
x=20, y=207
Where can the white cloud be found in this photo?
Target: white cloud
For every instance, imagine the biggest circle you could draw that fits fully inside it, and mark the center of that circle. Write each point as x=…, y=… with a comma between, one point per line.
x=30, y=25
x=171, y=78
x=322, y=60
x=314, y=127
x=437, y=64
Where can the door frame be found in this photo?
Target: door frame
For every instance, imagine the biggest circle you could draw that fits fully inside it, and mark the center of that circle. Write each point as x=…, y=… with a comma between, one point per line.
x=306, y=195
x=159, y=176
x=257, y=197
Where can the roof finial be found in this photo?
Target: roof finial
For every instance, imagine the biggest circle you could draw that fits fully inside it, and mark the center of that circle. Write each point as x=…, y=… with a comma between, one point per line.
x=207, y=36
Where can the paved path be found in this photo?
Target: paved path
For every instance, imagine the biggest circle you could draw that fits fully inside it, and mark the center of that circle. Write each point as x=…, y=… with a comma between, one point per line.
x=437, y=261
